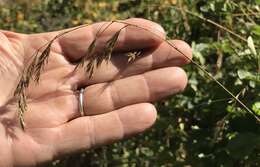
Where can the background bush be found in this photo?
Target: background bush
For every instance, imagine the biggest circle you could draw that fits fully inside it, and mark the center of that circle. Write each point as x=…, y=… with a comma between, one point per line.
x=202, y=126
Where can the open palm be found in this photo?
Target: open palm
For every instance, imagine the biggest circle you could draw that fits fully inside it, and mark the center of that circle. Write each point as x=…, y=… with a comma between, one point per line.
x=117, y=97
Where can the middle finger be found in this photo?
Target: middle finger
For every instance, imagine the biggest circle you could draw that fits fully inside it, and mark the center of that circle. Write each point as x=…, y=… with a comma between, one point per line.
x=162, y=56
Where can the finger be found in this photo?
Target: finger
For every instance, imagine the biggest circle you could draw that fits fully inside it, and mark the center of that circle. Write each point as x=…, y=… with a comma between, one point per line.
x=55, y=109
x=147, y=87
x=87, y=132
x=75, y=44
x=119, y=67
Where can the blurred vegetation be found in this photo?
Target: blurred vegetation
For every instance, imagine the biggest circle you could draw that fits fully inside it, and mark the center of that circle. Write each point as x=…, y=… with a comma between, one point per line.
x=202, y=126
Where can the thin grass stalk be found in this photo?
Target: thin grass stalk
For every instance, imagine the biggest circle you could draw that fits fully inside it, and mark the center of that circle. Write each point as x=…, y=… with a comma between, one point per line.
x=213, y=23
x=96, y=61
x=202, y=69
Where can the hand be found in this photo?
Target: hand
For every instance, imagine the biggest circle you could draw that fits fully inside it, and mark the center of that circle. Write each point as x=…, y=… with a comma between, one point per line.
x=117, y=98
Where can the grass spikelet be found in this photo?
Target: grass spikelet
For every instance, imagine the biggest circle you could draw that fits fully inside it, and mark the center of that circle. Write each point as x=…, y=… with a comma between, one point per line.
x=92, y=60
x=88, y=55
x=109, y=48
x=22, y=105
x=133, y=55
x=90, y=67
x=33, y=71
x=21, y=98
x=40, y=62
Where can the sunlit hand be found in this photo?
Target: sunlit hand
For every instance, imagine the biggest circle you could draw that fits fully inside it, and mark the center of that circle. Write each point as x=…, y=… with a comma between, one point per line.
x=116, y=99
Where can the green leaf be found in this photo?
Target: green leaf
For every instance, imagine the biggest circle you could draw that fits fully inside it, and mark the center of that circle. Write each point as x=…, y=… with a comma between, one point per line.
x=198, y=50
x=256, y=29
x=257, y=2
x=251, y=45
x=256, y=108
x=242, y=74
x=246, y=75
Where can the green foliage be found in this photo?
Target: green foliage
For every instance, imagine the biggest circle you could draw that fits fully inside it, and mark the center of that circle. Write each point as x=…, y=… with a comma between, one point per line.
x=200, y=127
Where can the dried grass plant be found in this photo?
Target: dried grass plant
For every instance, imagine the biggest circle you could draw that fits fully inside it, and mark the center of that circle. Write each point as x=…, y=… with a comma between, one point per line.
x=92, y=60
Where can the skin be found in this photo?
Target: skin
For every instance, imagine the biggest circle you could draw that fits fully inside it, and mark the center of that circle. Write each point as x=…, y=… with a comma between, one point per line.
x=117, y=99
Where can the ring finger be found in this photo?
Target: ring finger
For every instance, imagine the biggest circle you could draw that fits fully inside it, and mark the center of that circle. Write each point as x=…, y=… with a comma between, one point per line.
x=147, y=87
